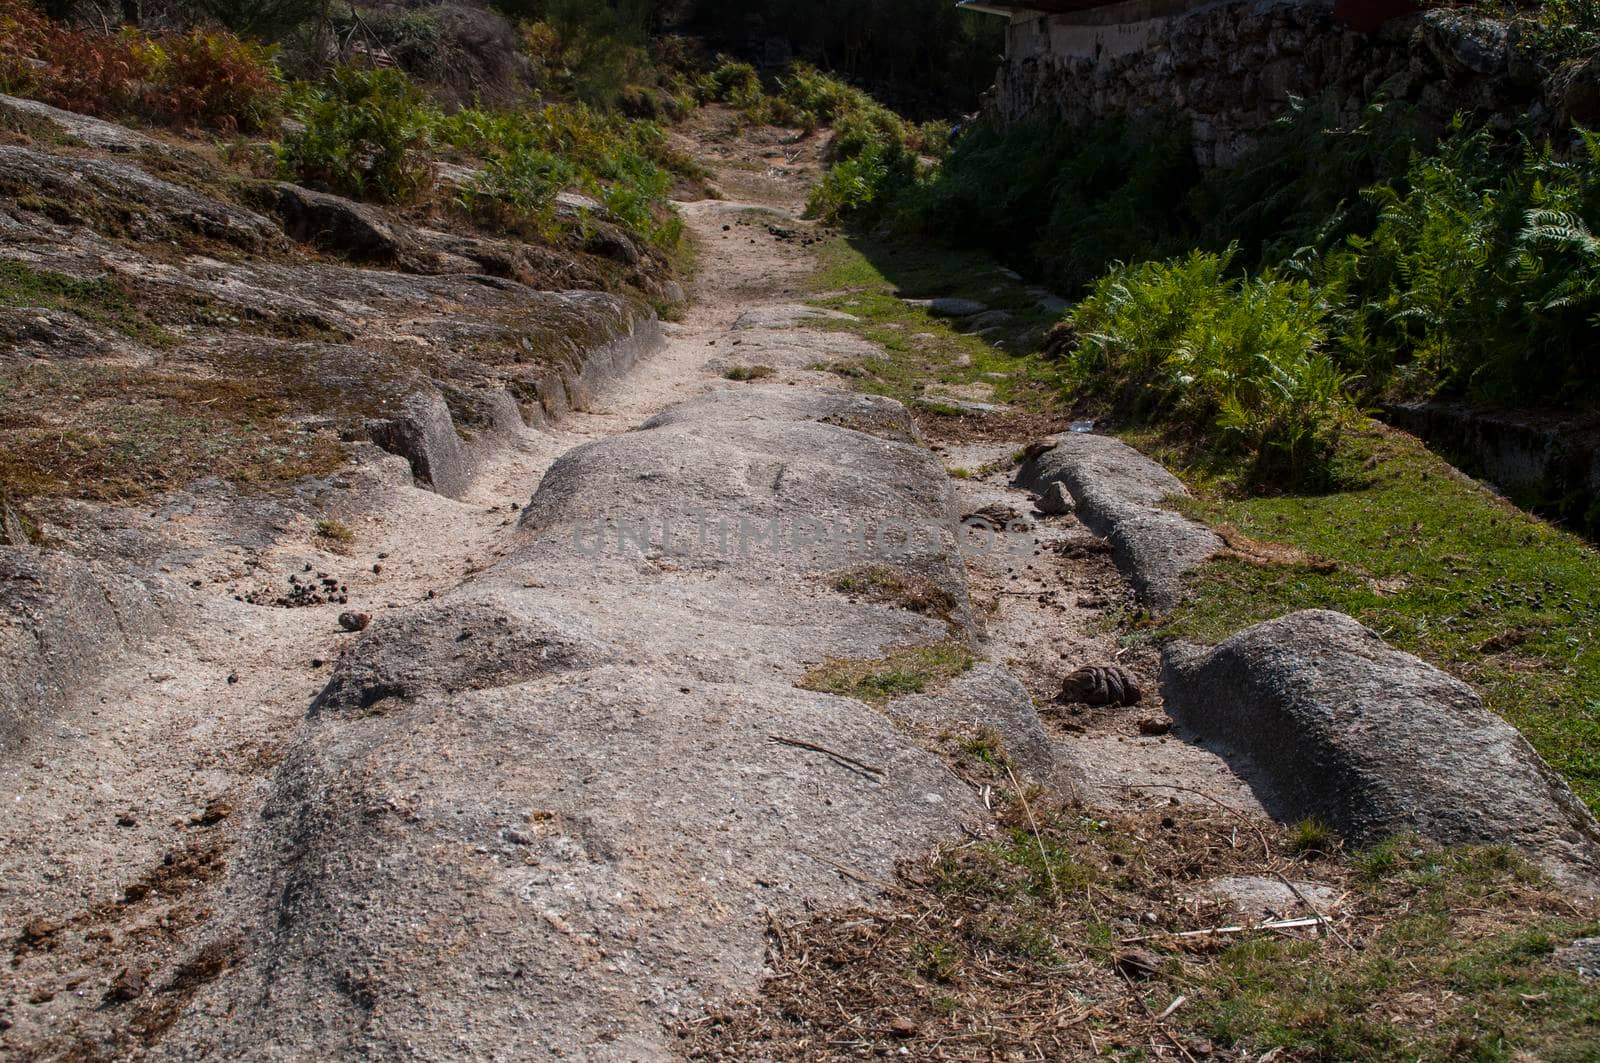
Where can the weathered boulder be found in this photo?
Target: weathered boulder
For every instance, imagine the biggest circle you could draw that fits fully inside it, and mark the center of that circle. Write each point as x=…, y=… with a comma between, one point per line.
x=782, y=317
x=424, y=433
x=61, y=621
x=874, y=414
x=1122, y=495
x=335, y=224
x=454, y=646
x=1337, y=725
x=1581, y=955
x=950, y=307
x=116, y=198
x=987, y=696
x=586, y=808
x=95, y=132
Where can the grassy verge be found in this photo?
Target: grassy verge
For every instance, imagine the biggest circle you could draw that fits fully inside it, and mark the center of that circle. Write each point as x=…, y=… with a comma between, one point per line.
x=1063, y=937
x=871, y=279
x=1433, y=562
x=1436, y=565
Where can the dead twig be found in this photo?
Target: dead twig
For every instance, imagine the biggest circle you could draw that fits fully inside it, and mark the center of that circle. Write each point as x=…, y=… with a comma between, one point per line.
x=825, y=751
x=1324, y=920
x=1038, y=839
x=1271, y=924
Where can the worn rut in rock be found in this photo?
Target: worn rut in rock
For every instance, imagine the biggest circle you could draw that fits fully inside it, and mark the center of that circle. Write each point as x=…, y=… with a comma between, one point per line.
x=548, y=803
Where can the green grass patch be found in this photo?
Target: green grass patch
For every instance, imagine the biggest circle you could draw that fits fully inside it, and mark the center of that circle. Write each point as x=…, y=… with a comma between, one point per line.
x=1485, y=986
x=101, y=300
x=748, y=372
x=1435, y=564
x=909, y=670
x=335, y=530
x=870, y=279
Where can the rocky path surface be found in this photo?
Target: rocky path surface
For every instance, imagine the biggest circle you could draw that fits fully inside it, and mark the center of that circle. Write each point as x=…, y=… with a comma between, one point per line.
x=545, y=805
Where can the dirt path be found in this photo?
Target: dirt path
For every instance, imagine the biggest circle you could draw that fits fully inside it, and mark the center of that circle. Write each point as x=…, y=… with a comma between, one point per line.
x=124, y=816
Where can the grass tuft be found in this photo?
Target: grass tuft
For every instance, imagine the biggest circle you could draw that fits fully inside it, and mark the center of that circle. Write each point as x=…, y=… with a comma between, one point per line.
x=908, y=670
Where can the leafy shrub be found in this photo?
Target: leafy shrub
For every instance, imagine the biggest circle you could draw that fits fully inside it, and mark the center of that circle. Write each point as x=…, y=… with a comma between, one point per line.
x=269, y=20
x=1185, y=341
x=733, y=82
x=621, y=162
x=636, y=196
x=24, y=34
x=599, y=52
x=517, y=189
x=214, y=80
x=864, y=184
x=1479, y=277
x=366, y=132
x=210, y=79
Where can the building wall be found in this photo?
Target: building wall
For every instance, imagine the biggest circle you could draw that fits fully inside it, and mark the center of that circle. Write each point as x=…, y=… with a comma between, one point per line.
x=1227, y=68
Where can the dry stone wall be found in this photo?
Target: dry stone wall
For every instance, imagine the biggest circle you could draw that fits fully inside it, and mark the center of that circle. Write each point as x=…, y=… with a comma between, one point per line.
x=1227, y=70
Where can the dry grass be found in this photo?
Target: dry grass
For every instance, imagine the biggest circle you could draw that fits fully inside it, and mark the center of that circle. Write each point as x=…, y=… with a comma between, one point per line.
x=1009, y=949
x=896, y=586
x=115, y=433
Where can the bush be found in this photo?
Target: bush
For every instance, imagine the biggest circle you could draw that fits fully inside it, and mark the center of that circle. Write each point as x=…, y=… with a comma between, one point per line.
x=201, y=78
x=1182, y=340
x=732, y=82
x=621, y=162
x=517, y=190
x=1480, y=275
x=864, y=184
x=269, y=20
x=366, y=134
x=214, y=80
x=636, y=195
x=599, y=52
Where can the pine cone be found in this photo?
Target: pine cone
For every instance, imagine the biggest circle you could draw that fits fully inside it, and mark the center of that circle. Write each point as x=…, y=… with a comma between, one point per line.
x=1101, y=684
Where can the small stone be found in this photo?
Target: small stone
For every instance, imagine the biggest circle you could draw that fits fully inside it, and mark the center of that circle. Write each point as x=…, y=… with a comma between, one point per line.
x=41, y=928
x=1154, y=725
x=353, y=621
x=377, y=569
x=1138, y=964
x=128, y=985
x=1056, y=500
x=901, y=1026
x=42, y=996
x=127, y=820
x=233, y=677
